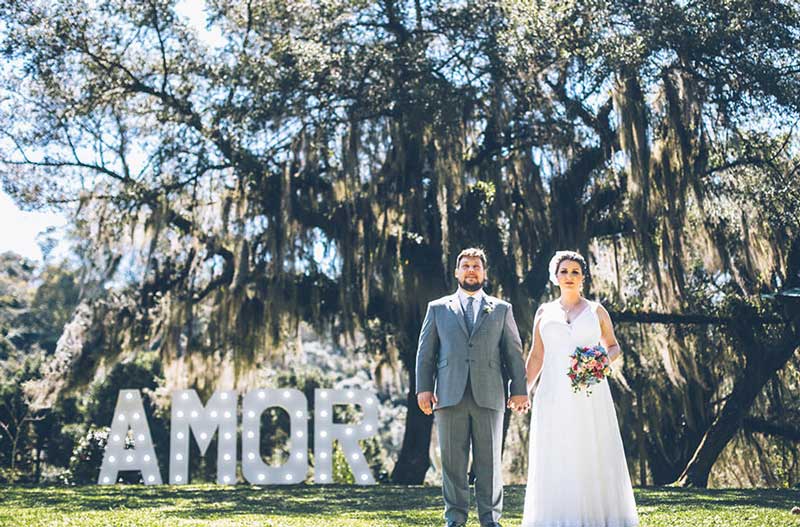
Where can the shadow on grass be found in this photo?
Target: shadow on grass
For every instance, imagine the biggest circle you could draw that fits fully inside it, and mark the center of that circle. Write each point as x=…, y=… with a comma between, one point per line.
x=411, y=504
x=780, y=499
x=204, y=502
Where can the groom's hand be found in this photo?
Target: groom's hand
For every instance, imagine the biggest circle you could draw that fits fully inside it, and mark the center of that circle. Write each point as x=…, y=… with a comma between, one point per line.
x=426, y=400
x=519, y=403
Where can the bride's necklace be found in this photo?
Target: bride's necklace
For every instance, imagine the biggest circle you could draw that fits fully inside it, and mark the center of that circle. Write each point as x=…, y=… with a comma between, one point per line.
x=568, y=310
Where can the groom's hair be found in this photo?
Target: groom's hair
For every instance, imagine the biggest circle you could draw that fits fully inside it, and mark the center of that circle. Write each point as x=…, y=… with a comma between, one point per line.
x=471, y=252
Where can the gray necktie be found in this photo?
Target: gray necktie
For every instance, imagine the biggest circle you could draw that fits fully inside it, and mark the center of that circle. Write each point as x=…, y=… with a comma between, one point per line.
x=469, y=315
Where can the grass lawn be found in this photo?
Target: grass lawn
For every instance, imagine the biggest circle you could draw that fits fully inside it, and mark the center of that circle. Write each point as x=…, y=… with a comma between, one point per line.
x=334, y=506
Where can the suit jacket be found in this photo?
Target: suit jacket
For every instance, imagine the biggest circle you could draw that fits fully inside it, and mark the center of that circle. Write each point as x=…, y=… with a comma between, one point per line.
x=447, y=355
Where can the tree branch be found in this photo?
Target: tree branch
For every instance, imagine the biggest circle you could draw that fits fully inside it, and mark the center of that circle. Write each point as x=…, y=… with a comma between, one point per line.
x=682, y=318
x=763, y=426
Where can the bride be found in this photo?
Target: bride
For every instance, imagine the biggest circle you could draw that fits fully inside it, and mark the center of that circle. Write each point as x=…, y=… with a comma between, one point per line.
x=577, y=474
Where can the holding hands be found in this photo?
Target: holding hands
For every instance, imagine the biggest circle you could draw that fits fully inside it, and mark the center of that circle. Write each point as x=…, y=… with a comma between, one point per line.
x=519, y=403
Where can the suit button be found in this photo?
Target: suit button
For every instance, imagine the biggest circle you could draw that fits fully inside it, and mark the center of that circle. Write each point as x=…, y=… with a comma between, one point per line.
x=470, y=345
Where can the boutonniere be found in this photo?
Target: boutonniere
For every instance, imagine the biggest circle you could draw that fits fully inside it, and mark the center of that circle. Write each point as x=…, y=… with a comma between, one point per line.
x=488, y=308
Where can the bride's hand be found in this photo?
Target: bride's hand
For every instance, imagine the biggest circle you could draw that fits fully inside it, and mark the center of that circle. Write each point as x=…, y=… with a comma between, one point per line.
x=519, y=403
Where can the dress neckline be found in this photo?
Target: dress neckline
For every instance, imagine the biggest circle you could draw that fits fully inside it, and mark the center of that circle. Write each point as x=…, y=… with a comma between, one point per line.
x=579, y=315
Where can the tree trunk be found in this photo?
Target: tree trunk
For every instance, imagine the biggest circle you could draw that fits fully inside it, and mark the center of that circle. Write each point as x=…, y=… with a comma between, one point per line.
x=414, y=461
x=745, y=390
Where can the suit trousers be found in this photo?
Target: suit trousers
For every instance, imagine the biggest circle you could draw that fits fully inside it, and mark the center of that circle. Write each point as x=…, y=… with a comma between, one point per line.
x=459, y=427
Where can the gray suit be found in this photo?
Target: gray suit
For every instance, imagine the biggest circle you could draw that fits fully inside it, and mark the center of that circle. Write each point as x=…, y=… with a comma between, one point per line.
x=466, y=374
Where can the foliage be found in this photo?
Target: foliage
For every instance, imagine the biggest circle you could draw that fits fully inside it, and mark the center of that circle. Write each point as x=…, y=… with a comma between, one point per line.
x=84, y=465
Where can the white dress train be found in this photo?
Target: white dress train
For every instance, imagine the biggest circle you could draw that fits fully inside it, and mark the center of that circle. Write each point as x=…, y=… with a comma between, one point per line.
x=577, y=473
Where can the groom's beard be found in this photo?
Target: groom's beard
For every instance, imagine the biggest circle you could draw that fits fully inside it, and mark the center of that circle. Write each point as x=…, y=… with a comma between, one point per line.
x=471, y=287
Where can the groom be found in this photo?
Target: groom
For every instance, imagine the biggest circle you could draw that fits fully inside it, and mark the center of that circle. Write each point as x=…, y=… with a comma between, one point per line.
x=467, y=340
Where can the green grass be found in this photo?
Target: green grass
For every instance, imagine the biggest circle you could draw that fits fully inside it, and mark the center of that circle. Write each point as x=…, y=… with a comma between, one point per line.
x=334, y=506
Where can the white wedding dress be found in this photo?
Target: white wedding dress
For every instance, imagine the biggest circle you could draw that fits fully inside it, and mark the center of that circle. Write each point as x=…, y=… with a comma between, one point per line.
x=577, y=473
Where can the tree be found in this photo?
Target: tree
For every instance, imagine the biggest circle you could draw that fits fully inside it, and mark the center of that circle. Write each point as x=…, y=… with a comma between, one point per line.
x=207, y=179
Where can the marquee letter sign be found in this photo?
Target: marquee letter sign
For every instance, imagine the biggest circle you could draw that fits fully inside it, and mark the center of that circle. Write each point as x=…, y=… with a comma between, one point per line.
x=348, y=434
x=129, y=416
x=253, y=467
x=189, y=416
x=219, y=416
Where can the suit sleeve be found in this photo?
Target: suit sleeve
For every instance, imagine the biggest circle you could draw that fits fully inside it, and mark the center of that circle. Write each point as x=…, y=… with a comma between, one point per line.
x=427, y=349
x=511, y=350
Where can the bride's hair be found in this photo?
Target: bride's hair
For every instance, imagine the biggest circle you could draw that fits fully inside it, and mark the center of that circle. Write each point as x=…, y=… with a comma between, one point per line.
x=559, y=257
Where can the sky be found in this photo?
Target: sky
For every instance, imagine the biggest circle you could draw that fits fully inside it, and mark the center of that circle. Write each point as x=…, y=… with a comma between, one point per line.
x=20, y=228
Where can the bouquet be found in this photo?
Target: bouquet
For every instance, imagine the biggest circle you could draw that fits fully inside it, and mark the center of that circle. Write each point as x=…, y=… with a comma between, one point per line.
x=588, y=366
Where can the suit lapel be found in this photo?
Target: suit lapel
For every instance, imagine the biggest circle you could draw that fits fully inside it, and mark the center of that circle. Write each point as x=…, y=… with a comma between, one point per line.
x=455, y=308
x=482, y=314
